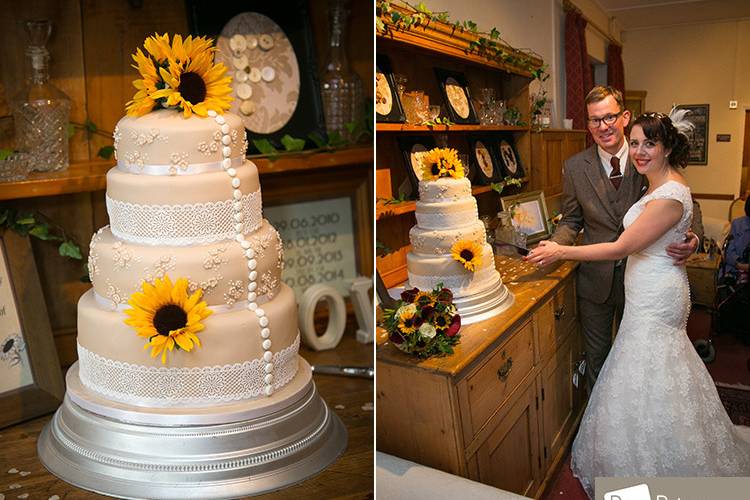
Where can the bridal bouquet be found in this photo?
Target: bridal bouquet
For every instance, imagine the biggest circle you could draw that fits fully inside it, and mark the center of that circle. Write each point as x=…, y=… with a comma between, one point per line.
x=424, y=323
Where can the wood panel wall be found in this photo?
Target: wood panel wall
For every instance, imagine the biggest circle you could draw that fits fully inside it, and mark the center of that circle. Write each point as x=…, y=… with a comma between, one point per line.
x=90, y=49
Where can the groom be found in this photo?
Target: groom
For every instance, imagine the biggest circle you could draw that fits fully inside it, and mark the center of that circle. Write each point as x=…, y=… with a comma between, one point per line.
x=599, y=186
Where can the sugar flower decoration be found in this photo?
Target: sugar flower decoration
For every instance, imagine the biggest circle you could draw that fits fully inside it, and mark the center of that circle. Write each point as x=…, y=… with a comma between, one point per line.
x=441, y=162
x=181, y=75
x=468, y=253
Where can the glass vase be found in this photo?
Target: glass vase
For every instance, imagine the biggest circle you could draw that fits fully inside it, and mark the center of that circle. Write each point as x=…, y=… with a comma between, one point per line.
x=41, y=111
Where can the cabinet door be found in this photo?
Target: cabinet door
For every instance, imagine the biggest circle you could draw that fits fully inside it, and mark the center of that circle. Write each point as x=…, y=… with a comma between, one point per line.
x=548, y=154
x=509, y=458
x=557, y=400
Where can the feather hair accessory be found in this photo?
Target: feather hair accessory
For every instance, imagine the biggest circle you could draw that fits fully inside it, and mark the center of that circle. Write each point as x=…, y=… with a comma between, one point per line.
x=680, y=121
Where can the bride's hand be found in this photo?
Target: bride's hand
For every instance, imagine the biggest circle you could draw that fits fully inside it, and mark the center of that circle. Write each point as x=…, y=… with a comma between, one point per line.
x=546, y=253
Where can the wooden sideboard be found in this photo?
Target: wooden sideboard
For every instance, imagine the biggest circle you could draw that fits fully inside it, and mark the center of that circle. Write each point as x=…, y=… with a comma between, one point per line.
x=502, y=409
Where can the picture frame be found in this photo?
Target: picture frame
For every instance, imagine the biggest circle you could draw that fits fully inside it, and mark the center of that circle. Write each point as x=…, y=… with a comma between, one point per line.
x=484, y=160
x=412, y=147
x=456, y=96
x=698, y=116
x=31, y=381
x=507, y=154
x=293, y=17
x=388, y=107
x=529, y=214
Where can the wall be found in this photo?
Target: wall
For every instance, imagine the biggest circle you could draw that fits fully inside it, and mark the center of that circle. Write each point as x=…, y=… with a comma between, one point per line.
x=698, y=64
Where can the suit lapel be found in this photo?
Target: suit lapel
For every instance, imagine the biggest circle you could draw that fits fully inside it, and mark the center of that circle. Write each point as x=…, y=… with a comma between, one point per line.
x=597, y=180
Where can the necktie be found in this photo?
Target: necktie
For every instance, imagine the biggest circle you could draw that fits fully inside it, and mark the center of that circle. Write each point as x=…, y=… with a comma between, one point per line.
x=616, y=176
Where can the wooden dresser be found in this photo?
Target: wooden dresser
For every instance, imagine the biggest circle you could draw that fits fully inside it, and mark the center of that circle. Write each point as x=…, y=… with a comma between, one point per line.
x=502, y=409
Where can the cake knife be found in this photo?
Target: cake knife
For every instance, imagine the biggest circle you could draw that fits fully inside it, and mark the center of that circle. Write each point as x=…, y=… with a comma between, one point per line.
x=347, y=371
x=519, y=249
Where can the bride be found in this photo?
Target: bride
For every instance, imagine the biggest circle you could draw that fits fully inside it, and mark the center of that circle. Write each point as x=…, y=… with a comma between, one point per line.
x=654, y=410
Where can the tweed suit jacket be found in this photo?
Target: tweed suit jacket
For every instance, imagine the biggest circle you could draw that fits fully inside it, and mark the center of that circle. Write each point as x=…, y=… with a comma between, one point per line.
x=588, y=204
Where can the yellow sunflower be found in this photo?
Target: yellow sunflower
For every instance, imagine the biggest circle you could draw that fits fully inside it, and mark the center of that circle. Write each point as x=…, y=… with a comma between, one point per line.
x=165, y=315
x=468, y=253
x=423, y=299
x=407, y=315
x=441, y=162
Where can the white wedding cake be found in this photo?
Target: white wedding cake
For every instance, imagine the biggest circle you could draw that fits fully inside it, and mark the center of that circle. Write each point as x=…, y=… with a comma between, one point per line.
x=188, y=382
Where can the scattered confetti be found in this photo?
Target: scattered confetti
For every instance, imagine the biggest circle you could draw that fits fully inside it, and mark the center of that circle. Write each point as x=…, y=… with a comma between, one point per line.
x=339, y=407
x=54, y=497
x=14, y=486
x=24, y=473
x=367, y=407
x=13, y=471
x=23, y=495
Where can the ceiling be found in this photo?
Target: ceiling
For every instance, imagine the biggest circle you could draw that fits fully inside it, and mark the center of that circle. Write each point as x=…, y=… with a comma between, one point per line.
x=640, y=14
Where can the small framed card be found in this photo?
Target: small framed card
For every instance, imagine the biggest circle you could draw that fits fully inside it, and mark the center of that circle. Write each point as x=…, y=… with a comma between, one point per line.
x=484, y=161
x=508, y=157
x=456, y=95
x=529, y=214
x=387, y=103
x=413, y=148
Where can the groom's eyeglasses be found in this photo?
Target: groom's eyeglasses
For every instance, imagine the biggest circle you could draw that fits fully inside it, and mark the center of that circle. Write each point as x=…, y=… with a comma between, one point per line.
x=607, y=119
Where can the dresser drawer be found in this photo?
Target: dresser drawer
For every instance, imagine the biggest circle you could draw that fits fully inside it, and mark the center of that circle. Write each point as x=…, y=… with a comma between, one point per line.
x=554, y=319
x=487, y=388
x=565, y=308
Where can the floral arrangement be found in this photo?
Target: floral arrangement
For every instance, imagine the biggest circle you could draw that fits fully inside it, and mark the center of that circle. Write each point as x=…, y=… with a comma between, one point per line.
x=424, y=323
x=164, y=314
x=181, y=75
x=468, y=253
x=441, y=162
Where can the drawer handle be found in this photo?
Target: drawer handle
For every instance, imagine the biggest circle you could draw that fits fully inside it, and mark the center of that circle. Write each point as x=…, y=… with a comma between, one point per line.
x=560, y=313
x=504, y=370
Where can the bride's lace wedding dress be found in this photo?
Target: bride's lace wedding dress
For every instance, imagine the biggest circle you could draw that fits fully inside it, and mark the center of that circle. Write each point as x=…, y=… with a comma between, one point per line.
x=654, y=410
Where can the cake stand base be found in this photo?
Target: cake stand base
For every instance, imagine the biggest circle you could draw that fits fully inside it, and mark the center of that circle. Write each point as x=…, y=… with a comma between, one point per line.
x=294, y=438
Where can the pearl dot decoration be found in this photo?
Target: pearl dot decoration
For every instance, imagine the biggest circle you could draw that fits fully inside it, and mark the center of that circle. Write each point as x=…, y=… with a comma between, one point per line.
x=248, y=252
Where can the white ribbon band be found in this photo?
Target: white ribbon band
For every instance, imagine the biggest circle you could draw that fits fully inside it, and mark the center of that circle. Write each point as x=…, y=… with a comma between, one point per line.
x=110, y=305
x=183, y=225
x=171, y=169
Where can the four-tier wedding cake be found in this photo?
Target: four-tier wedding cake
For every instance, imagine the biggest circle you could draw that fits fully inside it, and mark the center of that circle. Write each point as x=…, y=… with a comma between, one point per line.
x=188, y=383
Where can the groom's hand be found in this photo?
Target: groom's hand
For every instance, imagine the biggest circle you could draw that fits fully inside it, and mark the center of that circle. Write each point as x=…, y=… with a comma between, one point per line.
x=680, y=252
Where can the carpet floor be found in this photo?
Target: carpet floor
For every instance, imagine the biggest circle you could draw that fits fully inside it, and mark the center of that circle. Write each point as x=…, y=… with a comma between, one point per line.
x=730, y=371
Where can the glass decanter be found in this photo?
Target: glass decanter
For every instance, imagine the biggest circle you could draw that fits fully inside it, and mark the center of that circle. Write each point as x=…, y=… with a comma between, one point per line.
x=340, y=87
x=41, y=111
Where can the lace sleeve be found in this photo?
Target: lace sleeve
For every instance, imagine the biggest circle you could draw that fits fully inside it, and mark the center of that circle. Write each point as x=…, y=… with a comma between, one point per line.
x=673, y=190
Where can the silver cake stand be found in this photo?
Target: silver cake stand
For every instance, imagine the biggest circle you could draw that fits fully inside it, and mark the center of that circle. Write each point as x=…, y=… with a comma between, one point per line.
x=219, y=452
x=475, y=307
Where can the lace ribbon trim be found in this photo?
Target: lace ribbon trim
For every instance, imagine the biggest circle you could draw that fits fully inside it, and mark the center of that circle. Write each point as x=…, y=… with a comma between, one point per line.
x=173, y=387
x=453, y=282
x=447, y=220
x=171, y=169
x=183, y=225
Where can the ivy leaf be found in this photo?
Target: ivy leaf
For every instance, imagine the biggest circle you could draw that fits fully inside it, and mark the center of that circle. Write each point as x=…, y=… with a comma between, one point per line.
x=265, y=147
x=71, y=130
x=292, y=144
x=421, y=7
x=335, y=139
x=90, y=126
x=395, y=17
x=5, y=153
x=40, y=231
x=494, y=34
x=106, y=152
x=70, y=249
x=317, y=139
x=25, y=220
x=379, y=24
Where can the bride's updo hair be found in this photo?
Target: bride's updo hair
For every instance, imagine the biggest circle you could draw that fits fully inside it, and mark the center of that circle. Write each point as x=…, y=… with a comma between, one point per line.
x=659, y=127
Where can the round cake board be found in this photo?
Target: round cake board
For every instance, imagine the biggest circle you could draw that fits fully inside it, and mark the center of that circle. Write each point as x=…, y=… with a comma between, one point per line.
x=291, y=439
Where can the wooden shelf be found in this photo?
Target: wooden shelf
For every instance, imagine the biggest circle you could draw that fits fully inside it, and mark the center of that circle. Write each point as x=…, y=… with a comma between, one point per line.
x=382, y=210
x=82, y=177
x=404, y=127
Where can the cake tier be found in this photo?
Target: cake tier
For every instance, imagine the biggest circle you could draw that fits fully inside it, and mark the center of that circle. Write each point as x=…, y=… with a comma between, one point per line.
x=164, y=142
x=426, y=272
x=439, y=241
x=117, y=269
x=185, y=210
x=447, y=214
x=444, y=189
x=229, y=366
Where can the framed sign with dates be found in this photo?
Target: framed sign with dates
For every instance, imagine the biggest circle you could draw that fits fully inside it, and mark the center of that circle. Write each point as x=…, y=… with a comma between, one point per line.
x=318, y=241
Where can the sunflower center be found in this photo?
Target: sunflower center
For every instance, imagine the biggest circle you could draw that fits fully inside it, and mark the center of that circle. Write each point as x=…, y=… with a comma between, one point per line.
x=435, y=168
x=192, y=88
x=8, y=346
x=168, y=318
x=467, y=254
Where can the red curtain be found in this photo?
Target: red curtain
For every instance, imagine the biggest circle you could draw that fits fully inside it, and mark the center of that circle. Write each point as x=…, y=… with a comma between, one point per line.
x=578, y=77
x=615, y=71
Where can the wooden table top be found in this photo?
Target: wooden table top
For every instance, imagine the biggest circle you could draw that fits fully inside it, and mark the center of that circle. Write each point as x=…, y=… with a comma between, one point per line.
x=351, y=476
x=529, y=286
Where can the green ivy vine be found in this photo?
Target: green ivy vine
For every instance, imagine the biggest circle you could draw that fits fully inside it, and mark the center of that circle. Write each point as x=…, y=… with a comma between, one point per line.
x=38, y=226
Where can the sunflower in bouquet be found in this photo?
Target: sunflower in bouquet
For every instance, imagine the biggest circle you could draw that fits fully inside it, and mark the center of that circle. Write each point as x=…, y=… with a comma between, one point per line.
x=424, y=323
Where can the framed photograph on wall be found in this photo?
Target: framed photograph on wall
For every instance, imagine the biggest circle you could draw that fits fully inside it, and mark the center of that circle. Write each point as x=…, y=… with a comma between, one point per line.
x=529, y=214
x=269, y=50
x=456, y=96
x=31, y=382
x=484, y=162
x=387, y=102
x=698, y=116
x=413, y=148
x=507, y=154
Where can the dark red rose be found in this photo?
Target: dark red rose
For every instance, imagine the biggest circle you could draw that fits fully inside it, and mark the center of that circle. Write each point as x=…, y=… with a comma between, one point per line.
x=455, y=326
x=418, y=321
x=445, y=297
x=408, y=296
x=396, y=338
x=427, y=313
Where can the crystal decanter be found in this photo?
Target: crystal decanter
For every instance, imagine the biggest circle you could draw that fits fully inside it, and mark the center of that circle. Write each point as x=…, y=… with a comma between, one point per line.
x=41, y=110
x=340, y=87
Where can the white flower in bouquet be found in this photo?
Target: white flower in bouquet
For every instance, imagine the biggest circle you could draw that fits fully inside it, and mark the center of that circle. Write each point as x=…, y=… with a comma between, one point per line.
x=427, y=331
x=408, y=310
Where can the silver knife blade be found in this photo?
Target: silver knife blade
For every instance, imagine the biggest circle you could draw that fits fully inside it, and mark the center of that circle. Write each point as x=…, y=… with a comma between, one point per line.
x=346, y=371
